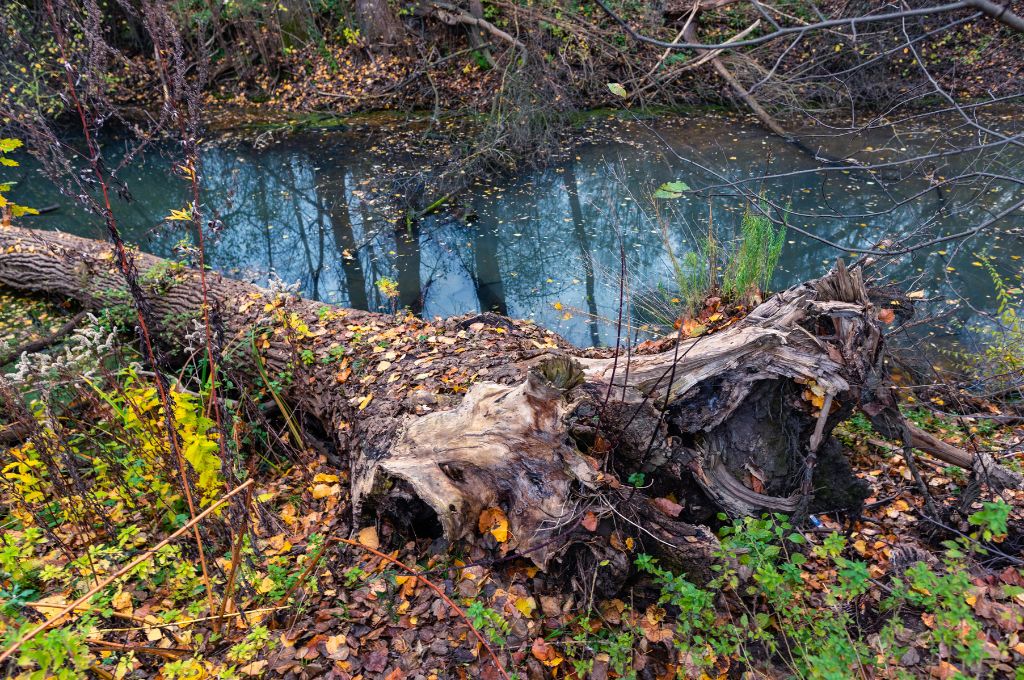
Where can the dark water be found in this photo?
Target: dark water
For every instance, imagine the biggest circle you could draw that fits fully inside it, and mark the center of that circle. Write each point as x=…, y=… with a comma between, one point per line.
x=548, y=245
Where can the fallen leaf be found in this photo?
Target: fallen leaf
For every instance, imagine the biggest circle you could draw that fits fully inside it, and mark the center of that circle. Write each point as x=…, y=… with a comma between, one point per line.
x=254, y=668
x=368, y=536
x=324, y=490
x=122, y=602
x=545, y=653
x=493, y=520
x=589, y=521
x=526, y=605
x=670, y=508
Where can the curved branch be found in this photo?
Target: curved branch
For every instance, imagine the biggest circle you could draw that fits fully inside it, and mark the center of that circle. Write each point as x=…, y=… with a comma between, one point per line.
x=1000, y=13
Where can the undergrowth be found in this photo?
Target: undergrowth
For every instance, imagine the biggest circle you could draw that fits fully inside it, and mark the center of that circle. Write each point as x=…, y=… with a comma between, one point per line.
x=785, y=603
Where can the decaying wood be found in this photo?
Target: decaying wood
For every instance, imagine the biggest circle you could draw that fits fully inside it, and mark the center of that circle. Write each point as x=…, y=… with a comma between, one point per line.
x=436, y=421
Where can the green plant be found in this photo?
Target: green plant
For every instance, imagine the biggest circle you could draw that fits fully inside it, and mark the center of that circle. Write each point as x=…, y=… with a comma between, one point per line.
x=487, y=621
x=992, y=519
x=779, y=613
x=255, y=641
x=1002, y=359
x=60, y=653
x=747, y=264
x=616, y=645
x=753, y=261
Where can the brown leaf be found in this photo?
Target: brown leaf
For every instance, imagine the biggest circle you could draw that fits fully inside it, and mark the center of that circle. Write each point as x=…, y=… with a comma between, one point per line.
x=669, y=507
x=376, y=661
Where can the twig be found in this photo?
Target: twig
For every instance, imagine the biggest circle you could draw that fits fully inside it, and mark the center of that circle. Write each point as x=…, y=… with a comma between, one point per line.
x=186, y=622
x=119, y=573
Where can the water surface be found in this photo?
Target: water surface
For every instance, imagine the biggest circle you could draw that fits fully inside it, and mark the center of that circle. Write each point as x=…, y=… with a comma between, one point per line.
x=549, y=244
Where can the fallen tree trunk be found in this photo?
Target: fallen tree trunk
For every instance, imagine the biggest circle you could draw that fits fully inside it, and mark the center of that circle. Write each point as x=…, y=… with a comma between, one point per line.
x=438, y=421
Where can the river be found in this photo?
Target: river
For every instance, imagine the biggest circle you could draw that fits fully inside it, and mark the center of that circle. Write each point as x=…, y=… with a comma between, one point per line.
x=549, y=244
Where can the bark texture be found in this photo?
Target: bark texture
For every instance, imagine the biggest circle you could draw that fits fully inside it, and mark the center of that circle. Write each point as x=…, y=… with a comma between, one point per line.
x=438, y=421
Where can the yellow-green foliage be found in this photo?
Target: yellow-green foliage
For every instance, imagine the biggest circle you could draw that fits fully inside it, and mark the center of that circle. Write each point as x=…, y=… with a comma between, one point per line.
x=1002, y=359
x=143, y=414
x=9, y=208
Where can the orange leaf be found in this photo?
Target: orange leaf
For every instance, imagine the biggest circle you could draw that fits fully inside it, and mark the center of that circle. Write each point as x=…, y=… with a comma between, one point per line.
x=545, y=653
x=368, y=537
x=886, y=315
x=494, y=521
x=589, y=521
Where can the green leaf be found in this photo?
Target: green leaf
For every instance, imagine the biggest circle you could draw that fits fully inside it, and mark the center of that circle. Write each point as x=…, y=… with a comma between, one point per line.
x=671, y=190
x=617, y=90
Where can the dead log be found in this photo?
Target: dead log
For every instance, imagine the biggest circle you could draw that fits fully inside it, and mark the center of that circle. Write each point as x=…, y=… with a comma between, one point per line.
x=439, y=420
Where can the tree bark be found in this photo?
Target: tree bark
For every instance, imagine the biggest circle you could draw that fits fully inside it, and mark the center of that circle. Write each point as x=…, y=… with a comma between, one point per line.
x=378, y=22
x=441, y=420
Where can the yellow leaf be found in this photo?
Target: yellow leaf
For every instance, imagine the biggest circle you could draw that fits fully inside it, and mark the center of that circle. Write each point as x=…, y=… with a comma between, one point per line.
x=265, y=586
x=323, y=477
x=122, y=602
x=324, y=490
x=178, y=216
x=365, y=402
x=494, y=521
x=368, y=536
x=526, y=605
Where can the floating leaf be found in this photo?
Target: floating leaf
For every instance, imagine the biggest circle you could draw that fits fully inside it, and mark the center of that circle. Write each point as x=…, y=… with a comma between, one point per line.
x=671, y=190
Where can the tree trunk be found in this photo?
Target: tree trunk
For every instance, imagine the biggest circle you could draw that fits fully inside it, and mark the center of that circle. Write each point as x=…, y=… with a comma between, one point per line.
x=378, y=23
x=441, y=420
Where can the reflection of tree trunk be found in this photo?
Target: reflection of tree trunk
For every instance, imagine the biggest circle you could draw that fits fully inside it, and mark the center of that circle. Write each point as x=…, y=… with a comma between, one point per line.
x=261, y=210
x=490, y=290
x=407, y=262
x=579, y=230
x=331, y=187
x=378, y=23
x=300, y=226
x=318, y=272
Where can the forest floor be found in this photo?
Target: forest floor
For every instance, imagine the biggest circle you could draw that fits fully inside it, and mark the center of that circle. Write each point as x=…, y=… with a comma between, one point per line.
x=889, y=593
